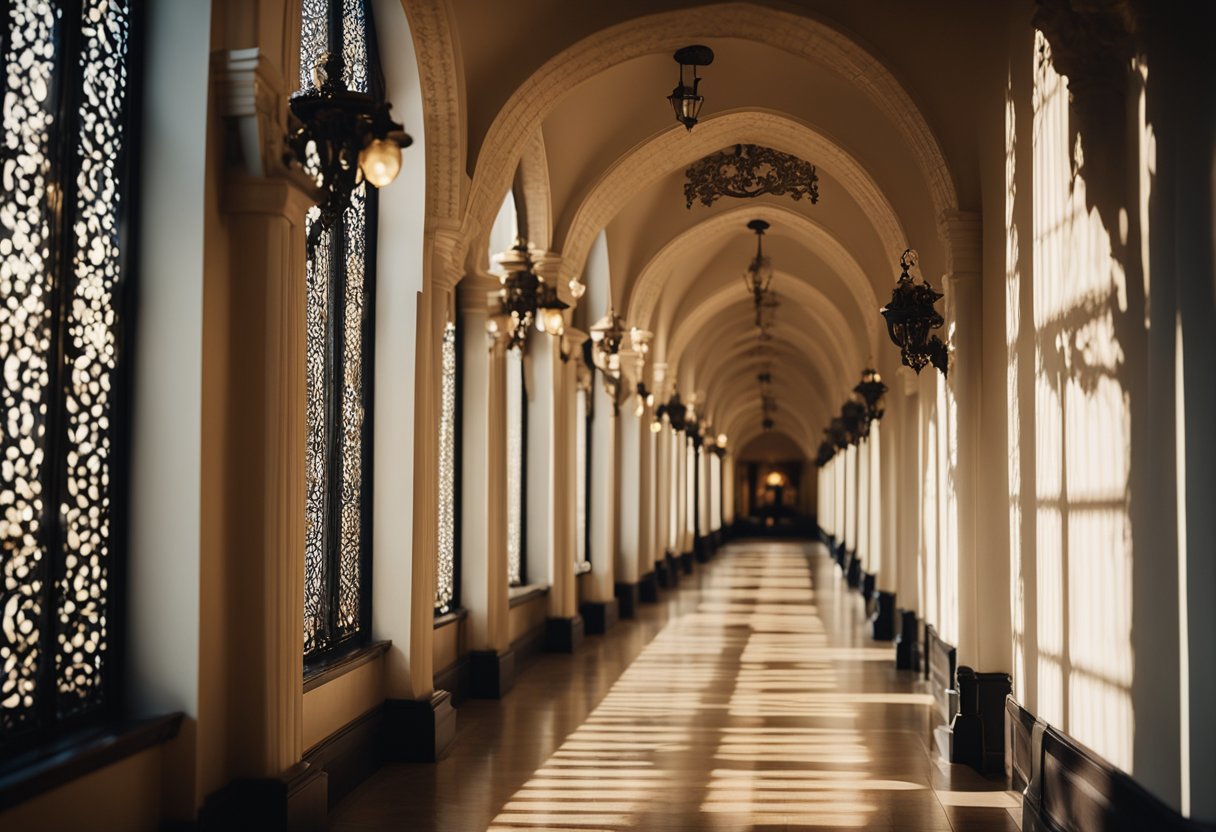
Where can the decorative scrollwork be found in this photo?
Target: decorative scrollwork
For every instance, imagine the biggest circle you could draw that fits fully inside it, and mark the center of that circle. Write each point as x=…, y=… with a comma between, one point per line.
x=749, y=171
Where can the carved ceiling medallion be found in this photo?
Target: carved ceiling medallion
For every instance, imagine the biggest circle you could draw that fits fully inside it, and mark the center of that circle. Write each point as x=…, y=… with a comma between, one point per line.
x=748, y=171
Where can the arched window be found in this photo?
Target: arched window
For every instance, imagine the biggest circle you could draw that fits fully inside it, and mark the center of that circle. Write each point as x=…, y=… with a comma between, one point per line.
x=64, y=318
x=447, y=574
x=340, y=302
x=517, y=410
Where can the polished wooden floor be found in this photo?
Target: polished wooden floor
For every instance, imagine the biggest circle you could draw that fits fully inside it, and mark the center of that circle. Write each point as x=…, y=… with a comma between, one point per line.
x=749, y=698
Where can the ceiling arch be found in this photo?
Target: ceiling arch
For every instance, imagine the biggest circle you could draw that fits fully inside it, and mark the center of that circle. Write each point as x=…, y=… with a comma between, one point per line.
x=796, y=34
x=654, y=278
x=713, y=317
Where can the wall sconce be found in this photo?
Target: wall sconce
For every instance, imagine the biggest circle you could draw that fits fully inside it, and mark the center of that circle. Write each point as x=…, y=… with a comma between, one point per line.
x=549, y=309
x=911, y=315
x=759, y=274
x=852, y=417
x=341, y=137
x=676, y=411
x=837, y=434
x=685, y=100
x=520, y=293
x=871, y=390
x=607, y=335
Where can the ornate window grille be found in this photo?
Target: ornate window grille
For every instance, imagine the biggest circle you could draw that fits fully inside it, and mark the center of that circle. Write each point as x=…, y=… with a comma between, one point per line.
x=584, y=416
x=516, y=461
x=65, y=293
x=340, y=302
x=446, y=572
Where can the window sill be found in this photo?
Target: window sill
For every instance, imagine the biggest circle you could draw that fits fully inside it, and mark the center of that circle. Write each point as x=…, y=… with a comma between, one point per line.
x=458, y=614
x=527, y=592
x=76, y=755
x=326, y=671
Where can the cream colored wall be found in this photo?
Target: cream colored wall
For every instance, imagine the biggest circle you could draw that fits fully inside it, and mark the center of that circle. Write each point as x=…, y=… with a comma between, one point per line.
x=342, y=700
x=123, y=797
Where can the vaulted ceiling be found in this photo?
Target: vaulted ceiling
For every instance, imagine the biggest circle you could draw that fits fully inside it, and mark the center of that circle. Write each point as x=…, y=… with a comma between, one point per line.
x=567, y=102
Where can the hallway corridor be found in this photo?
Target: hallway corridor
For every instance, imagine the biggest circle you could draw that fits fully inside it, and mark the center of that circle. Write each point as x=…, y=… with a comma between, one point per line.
x=750, y=698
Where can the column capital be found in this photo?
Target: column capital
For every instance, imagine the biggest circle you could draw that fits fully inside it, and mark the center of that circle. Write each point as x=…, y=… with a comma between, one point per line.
x=962, y=234
x=252, y=99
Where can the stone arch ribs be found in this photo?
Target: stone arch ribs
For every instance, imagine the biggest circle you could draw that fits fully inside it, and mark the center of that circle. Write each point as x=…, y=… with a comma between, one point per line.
x=830, y=344
x=798, y=35
x=673, y=149
x=644, y=296
x=532, y=179
x=441, y=75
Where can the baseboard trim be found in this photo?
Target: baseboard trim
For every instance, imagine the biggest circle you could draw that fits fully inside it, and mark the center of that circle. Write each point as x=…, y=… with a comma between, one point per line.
x=669, y=577
x=419, y=730
x=628, y=598
x=648, y=588
x=491, y=673
x=351, y=754
x=599, y=616
x=563, y=635
x=298, y=801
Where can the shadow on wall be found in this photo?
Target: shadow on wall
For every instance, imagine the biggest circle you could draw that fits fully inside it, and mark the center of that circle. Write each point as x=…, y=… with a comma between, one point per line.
x=1093, y=569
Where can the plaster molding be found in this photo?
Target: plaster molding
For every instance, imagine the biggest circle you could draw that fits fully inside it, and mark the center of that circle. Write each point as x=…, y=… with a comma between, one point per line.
x=443, y=113
x=798, y=35
x=962, y=232
x=250, y=92
x=534, y=190
x=673, y=149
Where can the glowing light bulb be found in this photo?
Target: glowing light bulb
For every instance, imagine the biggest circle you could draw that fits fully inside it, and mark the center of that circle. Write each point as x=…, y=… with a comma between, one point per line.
x=577, y=290
x=380, y=161
x=656, y=426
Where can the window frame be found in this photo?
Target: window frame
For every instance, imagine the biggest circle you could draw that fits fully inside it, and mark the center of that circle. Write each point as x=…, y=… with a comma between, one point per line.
x=457, y=460
x=63, y=170
x=335, y=644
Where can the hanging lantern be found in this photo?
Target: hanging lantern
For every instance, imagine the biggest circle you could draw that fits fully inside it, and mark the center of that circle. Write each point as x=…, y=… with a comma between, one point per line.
x=871, y=390
x=911, y=316
x=852, y=418
x=607, y=336
x=837, y=434
x=686, y=99
x=549, y=309
x=676, y=411
x=759, y=274
x=339, y=136
x=520, y=293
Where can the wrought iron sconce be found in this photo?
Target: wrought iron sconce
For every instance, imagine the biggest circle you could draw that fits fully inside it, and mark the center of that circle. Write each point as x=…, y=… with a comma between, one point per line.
x=871, y=390
x=759, y=274
x=686, y=100
x=607, y=336
x=837, y=434
x=525, y=298
x=911, y=316
x=676, y=411
x=852, y=419
x=645, y=399
x=339, y=136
